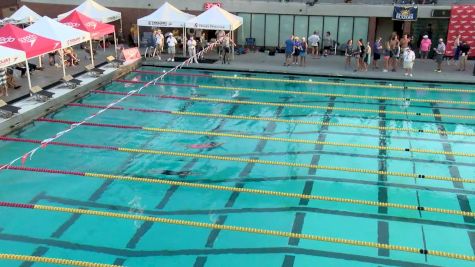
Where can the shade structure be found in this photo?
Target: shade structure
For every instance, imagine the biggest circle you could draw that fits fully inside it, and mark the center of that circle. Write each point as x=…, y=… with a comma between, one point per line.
x=9, y=56
x=23, y=15
x=166, y=16
x=82, y=22
x=215, y=18
x=32, y=44
x=93, y=10
x=68, y=36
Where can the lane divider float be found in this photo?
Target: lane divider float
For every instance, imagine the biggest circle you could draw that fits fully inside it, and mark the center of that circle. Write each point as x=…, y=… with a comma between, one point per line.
x=243, y=160
x=28, y=258
x=239, y=229
x=267, y=138
x=267, y=119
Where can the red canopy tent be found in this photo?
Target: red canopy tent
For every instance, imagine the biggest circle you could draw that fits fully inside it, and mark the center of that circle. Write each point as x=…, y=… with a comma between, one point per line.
x=32, y=44
x=96, y=28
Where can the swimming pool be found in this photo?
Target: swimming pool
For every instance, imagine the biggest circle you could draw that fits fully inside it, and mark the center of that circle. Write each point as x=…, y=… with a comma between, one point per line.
x=354, y=145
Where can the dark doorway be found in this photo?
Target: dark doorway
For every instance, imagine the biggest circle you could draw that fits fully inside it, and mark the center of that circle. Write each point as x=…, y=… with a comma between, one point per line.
x=398, y=27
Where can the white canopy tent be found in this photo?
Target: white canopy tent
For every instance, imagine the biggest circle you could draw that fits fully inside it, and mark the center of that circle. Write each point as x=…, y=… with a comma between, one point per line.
x=68, y=36
x=95, y=11
x=167, y=16
x=10, y=56
x=216, y=18
x=23, y=15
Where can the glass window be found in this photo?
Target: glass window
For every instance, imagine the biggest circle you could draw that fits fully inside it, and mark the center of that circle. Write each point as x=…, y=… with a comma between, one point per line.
x=361, y=29
x=301, y=26
x=316, y=24
x=245, y=30
x=257, y=28
x=330, y=24
x=286, y=28
x=272, y=30
x=345, y=29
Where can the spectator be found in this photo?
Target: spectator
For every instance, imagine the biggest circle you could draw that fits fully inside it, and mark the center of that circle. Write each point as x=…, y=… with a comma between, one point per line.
x=394, y=52
x=159, y=43
x=348, y=53
x=327, y=44
x=192, y=49
x=297, y=49
x=227, y=42
x=426, y=43
x=439, y=55
x=357, y=54
x=303, y=52
x=387, y=56
x=52, y=58
x=377, y=49
x=367, y=56
x=203, y=43
x=171, y=42
x=464, y=49
x=314, y=39
x=408, y=61
x=456, y=49
x=289, y=48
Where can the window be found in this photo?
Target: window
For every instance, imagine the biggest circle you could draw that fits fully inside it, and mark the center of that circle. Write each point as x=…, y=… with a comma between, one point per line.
x=286, y=28
x=315, y=24
x=245, y=30
x=330, y=24
x=272, y=30
x=301, y=26
x=345, y=29
x=360, y=30
x=257, y=28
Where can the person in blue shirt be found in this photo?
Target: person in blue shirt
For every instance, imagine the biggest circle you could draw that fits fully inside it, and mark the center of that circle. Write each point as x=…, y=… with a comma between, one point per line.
x=289, y=49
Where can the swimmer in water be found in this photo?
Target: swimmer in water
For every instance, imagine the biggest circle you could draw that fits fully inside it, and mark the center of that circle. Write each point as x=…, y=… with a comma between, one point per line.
x=179, y=173
x=204, y=146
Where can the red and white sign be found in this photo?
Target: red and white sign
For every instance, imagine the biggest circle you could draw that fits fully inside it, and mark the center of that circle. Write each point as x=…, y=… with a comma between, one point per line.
x=131, y=54
x=208, y=5
x=32, y=44
x=10, y=56
x=461, y=22
x=82, y=22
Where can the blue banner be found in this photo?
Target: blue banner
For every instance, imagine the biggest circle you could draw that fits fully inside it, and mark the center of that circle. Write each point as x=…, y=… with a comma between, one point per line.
x=405, y=12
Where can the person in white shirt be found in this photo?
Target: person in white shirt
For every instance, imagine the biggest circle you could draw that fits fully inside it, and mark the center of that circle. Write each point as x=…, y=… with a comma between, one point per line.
x=409, y=57
x=313, y=40
x=220, y=37
x=171, y=42
x=159, y=42
x=192, y=49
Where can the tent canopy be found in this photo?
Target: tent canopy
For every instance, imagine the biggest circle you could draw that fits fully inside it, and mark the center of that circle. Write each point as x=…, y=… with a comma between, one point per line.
x=166, y=16
x=95, y=11
x=32, y=44
x=23, y=15
x=215, y=18
x=9, y=56
x=68, y=36
x=96, y=28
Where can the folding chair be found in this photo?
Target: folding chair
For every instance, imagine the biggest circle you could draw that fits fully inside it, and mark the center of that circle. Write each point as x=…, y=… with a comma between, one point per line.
x=70, y=81
x=93, y=71
x=251, y=43
x=40, y=95
x=114, y=62
x=6, y=111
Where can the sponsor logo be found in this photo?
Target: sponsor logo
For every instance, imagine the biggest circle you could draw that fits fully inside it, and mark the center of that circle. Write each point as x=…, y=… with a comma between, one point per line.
x=73, y=41
x=209, y=26
x=29, y=39
x=158, y=23
x=91, y=24
x=72, y=24
x=5, y=40
x=5, y=61
x=209, y=5
x=405, y=14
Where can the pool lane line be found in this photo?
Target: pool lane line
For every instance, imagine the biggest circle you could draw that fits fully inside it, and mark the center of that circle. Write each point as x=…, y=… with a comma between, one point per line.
x=289, y=105
x=174, y=73
x=239, y=229
x=245, y=190
x=264, y=138
x=256, y=118
x=450, y=90
x=273, y=91
x=243, y=160
x=457, y=90
x=28, y=258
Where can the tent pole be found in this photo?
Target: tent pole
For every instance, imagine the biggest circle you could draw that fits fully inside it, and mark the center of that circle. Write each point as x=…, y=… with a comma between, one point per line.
x=62, y=61
x=28, y=74
x=184, y=42
x=104, y=42
x=92, y=53
x=39, y=61
x=115, y=44
x=138, y=38
x=232, y=44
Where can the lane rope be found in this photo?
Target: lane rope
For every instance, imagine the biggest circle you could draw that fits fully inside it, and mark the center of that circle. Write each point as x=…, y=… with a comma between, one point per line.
x=256, y=118
x=291, y=92
x=290, y=105
x=239, y=229
x=244, y=160
x=257, y=137
x=247, y=190
x=28, y=258
x=450, y=90
x=45, y=142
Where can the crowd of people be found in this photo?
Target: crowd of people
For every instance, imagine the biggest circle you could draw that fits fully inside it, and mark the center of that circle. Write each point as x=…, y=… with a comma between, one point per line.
x=394, y=52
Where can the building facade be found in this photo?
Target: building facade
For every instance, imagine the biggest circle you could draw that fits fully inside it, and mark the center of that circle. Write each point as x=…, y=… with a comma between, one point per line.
x=271, y=22
x=8, y=7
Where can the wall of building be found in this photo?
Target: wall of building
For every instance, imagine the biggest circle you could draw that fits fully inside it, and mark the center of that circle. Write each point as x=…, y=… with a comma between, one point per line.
x=7, y=7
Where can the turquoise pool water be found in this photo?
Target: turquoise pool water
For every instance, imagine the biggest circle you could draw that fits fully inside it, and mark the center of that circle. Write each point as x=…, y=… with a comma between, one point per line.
x=134, y=243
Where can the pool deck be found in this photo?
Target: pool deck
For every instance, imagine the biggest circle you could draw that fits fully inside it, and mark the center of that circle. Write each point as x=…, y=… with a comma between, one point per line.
x=332, y=66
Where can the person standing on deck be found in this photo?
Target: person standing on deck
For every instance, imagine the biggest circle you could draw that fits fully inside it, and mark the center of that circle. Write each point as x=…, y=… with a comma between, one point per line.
x=289, y=48
x=439, y=55
x=192, y=49
x=313, y=40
